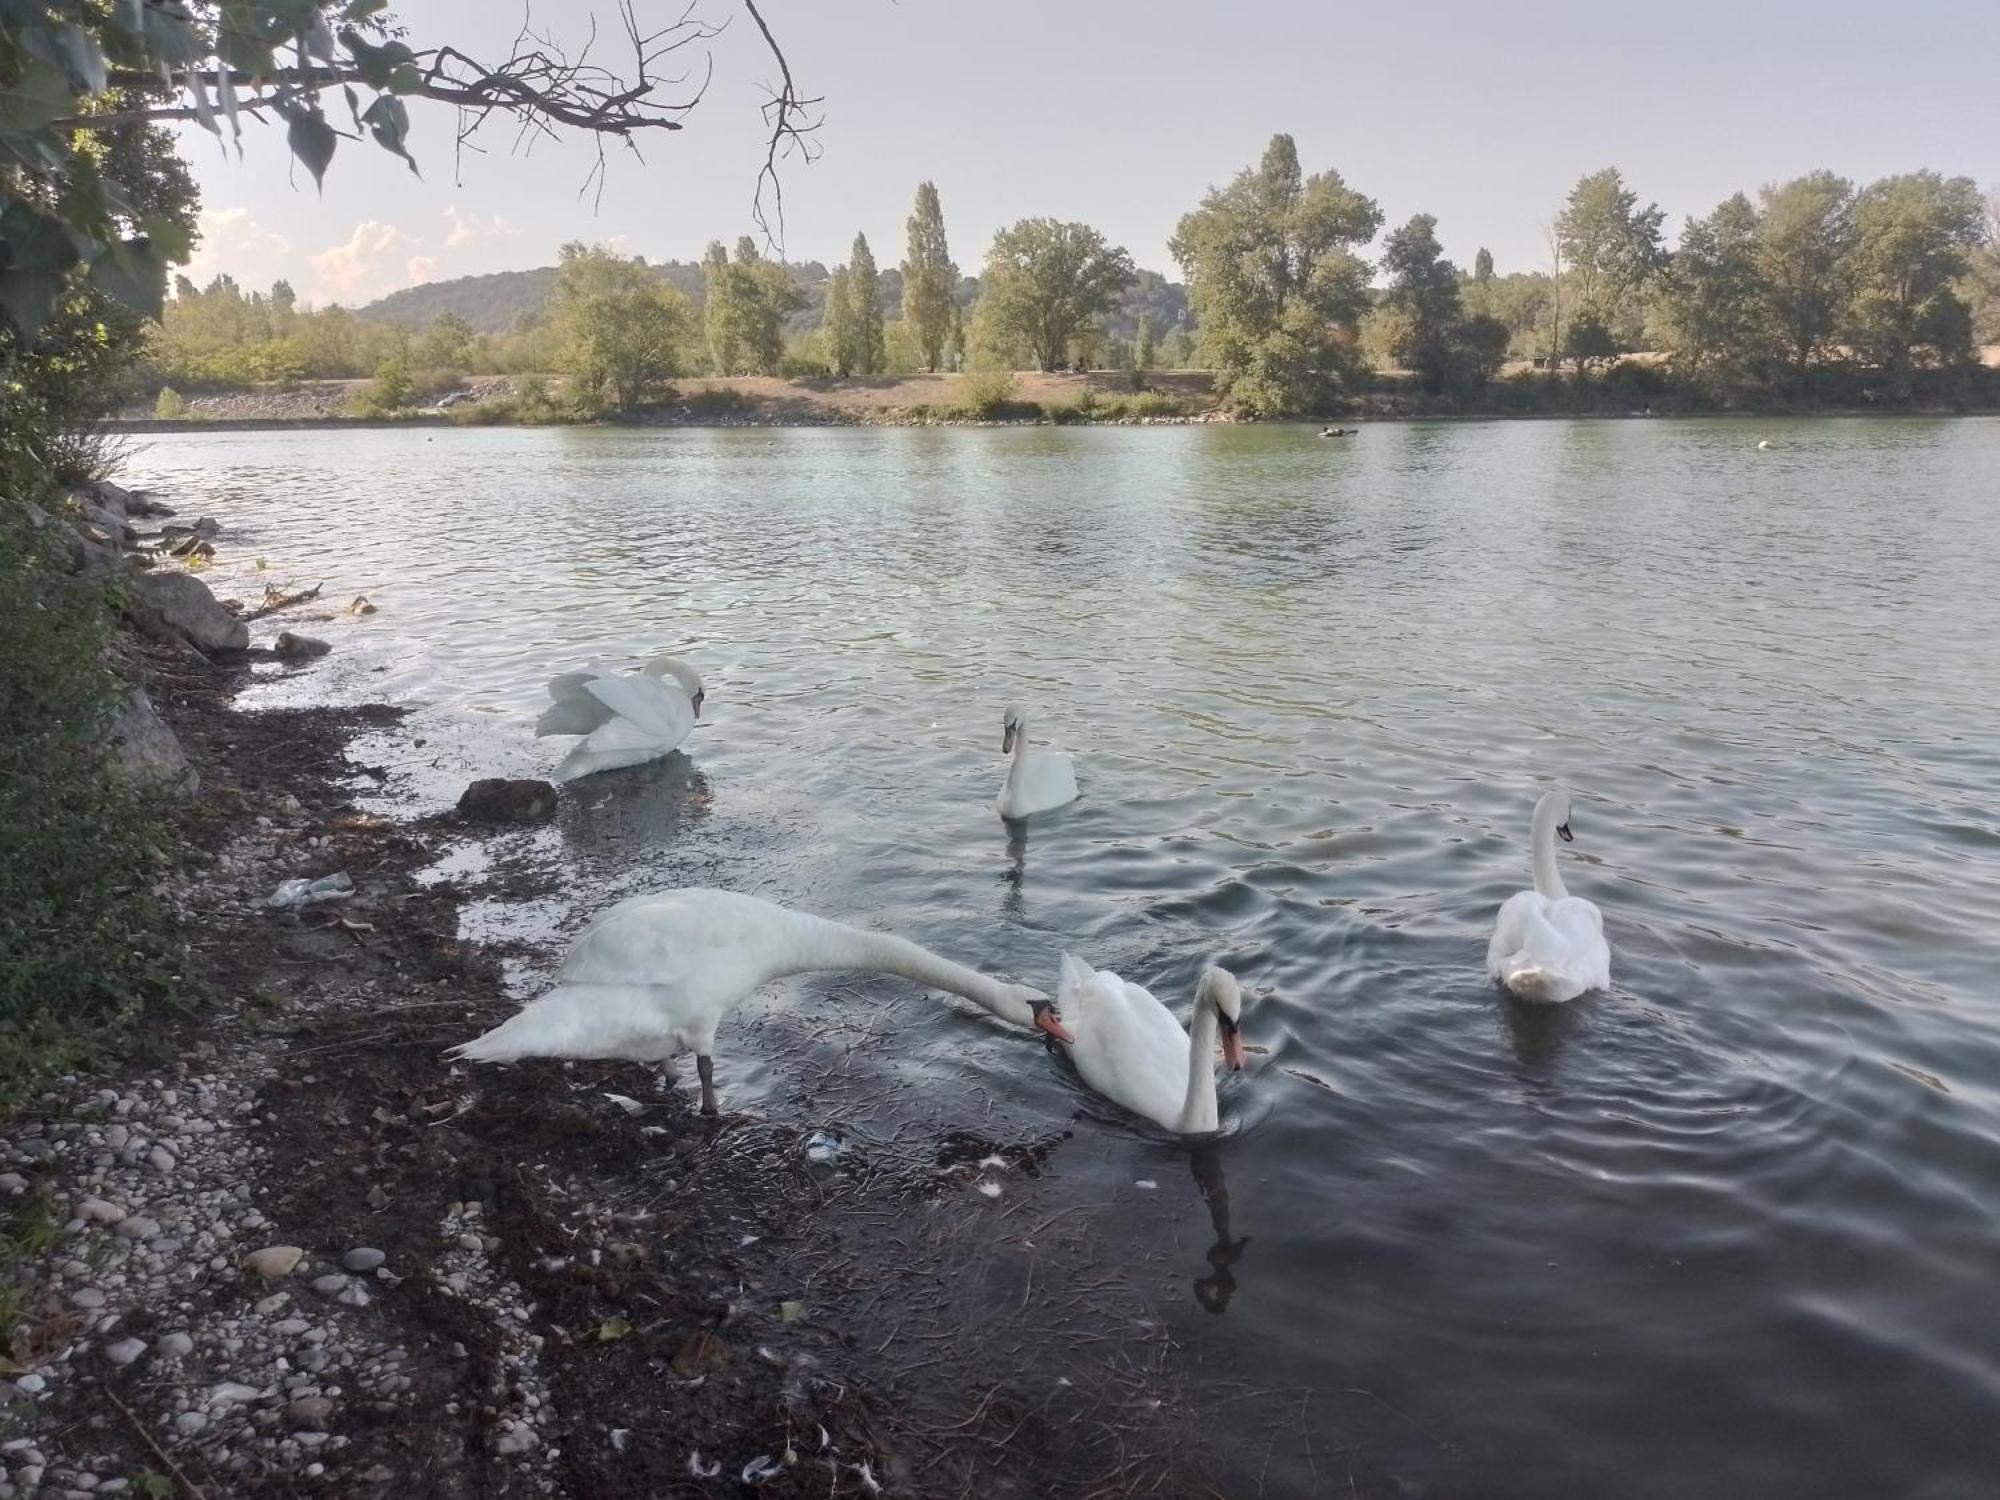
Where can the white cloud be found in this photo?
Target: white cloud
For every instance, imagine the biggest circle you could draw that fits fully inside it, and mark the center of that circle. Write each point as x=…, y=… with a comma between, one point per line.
x=375, y=260
x=234, y=242
x=422, y=268
x=470, y=229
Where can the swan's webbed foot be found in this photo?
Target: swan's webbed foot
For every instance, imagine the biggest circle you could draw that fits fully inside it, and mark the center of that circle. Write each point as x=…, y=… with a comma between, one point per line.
x=704, y=1067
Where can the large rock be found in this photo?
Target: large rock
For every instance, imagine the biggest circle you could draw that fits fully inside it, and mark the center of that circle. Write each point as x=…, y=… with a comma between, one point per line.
x=499, y=799
x=145, y=749
x=178, y=606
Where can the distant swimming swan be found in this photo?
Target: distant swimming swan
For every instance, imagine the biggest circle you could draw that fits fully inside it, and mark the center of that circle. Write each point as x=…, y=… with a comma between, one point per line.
x=1130, y=1048
x=1038, y=780
x=626, y=719
x=655, y=975
x=1547, y=944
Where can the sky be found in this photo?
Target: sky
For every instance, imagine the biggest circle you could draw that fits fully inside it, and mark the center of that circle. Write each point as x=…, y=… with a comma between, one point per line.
x=1122, y=113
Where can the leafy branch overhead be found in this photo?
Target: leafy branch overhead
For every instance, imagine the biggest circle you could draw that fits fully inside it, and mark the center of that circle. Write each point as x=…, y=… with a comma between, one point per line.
x=71, y=70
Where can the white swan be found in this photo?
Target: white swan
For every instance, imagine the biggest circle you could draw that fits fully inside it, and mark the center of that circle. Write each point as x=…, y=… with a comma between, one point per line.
x=1130, y=1048
x=655, y=975
x=625, y=719
x=1037, y=780
x=1548, y=944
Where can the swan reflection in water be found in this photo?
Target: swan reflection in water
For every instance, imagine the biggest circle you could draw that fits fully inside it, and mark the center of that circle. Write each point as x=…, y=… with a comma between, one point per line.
x=616, y=814
x=1214, y=1290
x=1012, y=903
x=1536, y=1032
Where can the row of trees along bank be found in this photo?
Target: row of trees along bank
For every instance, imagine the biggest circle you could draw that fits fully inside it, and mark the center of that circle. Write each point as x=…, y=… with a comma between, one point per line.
x=1814, y=291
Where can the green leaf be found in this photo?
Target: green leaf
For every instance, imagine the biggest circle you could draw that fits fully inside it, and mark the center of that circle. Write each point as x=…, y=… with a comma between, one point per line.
x=361, y=10
x=37, y=253
x=312, y=141
x=388, y=120
x=406, y=79
x=39, y=95
x=613, y=1328
x=73, y=50
x=171, y=238
x=133, y=273
x=377, y=64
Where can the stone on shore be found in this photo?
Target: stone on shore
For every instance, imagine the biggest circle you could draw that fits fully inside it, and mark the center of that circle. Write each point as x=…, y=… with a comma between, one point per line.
x=177, y=606
x=274, y=1261
x=500, y=799
x=145, y=749
x=298, y=647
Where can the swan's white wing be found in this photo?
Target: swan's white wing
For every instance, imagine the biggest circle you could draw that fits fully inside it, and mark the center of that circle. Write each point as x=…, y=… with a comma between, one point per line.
x=1128, y=1047
x=1047, y=780
x=574, y=710
x=647, y=704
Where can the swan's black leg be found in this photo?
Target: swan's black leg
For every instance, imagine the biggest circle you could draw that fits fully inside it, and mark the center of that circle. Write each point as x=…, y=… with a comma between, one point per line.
x=705, y=1067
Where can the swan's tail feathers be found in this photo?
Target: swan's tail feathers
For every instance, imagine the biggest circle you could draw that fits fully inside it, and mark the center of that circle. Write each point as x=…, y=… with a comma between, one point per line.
x=575, y=1020
x=1529, y=980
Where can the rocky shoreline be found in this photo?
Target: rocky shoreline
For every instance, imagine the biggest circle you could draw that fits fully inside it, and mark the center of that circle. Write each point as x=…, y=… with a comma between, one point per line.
x=290, y=1250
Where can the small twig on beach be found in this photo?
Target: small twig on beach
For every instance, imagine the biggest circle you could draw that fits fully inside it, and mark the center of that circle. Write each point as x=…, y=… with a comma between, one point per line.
x=160, y=1453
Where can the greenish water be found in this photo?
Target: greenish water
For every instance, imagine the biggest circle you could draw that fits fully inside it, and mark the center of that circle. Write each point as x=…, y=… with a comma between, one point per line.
x=1727, y=1229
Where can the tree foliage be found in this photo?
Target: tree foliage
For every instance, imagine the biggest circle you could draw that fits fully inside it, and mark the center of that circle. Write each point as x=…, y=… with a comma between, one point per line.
x=622, y=330
x=929, y=278
x=1913, y=239
x=1805, y=234
x=870, y=354
x=1612, y=249
x=1276, y=287
x=1045, y=280
x=1715, y=316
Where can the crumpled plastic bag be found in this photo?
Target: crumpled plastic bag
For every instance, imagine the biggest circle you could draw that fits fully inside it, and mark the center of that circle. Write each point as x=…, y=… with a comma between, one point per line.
x=301, y=892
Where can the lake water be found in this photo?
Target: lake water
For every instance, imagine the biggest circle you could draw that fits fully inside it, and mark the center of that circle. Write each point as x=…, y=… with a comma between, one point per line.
x=1731, y=1228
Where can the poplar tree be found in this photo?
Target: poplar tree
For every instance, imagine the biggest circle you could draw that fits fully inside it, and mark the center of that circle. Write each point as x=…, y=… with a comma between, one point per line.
x=928, y=278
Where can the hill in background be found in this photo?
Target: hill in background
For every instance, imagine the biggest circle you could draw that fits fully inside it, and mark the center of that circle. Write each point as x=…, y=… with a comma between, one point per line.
x=506, y=301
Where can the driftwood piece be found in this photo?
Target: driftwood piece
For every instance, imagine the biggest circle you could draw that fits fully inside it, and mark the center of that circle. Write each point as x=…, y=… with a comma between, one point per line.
x=276, y=599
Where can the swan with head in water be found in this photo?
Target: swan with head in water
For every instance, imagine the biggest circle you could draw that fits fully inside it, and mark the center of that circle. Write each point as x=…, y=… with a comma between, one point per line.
x=655, y=975
x=1547, y=944
x=625, y=719
x=1130, y=1048
x=1037, y=780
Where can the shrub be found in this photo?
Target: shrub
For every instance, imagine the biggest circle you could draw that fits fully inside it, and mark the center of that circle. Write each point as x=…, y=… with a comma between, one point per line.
x=713, y=402
x=987, y=394
x=79, y=948
x=170, y=405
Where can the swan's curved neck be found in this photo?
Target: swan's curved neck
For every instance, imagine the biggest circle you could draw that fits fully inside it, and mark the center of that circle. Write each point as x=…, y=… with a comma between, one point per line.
x=1199, y=1112
x=1542, y=842
x=834, y=945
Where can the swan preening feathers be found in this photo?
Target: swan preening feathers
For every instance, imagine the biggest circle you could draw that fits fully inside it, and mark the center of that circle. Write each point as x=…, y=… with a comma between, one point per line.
x=1547, y=944
x=1130, y=1048
x=654, y=976
x=625, y=719
x=1037, y=780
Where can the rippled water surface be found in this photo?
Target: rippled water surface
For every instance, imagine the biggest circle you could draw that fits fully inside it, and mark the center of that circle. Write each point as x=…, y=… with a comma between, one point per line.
x=1731, y=1228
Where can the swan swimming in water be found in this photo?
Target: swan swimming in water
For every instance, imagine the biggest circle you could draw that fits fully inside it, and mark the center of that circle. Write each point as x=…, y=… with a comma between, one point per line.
x=1130, y=1048
x=1547, y=944
x=654, y=976
x=625, y=720
x=1037, y=780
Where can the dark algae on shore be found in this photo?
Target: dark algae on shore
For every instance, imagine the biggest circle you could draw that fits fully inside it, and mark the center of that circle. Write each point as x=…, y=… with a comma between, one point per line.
x=572, y=1284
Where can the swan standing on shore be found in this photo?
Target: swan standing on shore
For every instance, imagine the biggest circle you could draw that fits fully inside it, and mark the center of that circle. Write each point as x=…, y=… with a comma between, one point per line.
x=655, y=975
x=626, y=719
x=1130, y=1048
x=1038, y=780
x=1549, y=945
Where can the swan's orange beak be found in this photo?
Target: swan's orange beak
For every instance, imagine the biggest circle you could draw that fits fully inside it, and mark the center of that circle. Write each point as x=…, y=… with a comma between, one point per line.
x=1232, y=1047
x=1049, y=1023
